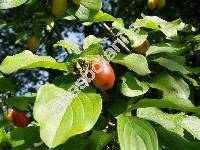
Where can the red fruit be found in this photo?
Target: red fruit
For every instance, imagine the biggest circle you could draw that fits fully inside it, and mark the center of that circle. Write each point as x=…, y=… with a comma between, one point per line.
x=104, y=75
x=19, y=119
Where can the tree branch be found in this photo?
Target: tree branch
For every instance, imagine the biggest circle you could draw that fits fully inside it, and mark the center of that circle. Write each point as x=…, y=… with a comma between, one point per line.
x=114, y=37
x=57, y=30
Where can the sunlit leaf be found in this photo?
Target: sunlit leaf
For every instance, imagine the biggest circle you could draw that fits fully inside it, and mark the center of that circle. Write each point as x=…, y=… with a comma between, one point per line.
x=61, y=116
x=27, y=59
x=136, y=134
x=6, y=4
x=135, y=62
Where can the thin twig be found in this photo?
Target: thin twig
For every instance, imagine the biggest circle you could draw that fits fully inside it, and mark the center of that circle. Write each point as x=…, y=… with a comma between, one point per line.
x=45, y=5
x=114, y=37
x=58, y=31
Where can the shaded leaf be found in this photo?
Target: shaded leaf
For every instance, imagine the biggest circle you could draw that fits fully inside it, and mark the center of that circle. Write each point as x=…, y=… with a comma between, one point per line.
x=6, y=85
x=173, y=141
x=22, y=138
x=171, y=87
x=117, y=107
x=99, y=139
x=171, y=103
x=131, y=87
x=74, y=143
x=101, y=123
x=171, y=65
x=20, y=103
x=163, y=48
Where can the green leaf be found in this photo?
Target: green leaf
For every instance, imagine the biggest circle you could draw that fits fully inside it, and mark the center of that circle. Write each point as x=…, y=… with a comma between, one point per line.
x=171, y=87
x=195, y=38
x=195, y=70
x=131, y=87
x=101, y=123
x=91, y=40
x=100, y=17
x=2, y=134
x=117, y=107
x=92, y=52
x=6, y=4
x=71, y=17
x=135, y=62
x=92, y=4
x=61, y=117
x=147, y=24
x=136, y=38
x=171, y=122
x=99, y=139
x=20, y=103
x=173, y=141
x=197, y=47
x=27, y=60
x=136, y=134
x=191, y=124
x=64, y=80
x=88, y=9
x=84, y=14
x=163, y=48
x=171, y=103
x=74, y=143
x=6, y=85
x=170, y=29
x=69, y=46
x=4, y=123
x=171, y=65
x=22, y=138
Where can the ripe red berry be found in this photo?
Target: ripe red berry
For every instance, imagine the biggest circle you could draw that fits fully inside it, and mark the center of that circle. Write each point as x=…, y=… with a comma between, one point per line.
x=104, y=75
x=19, y=119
